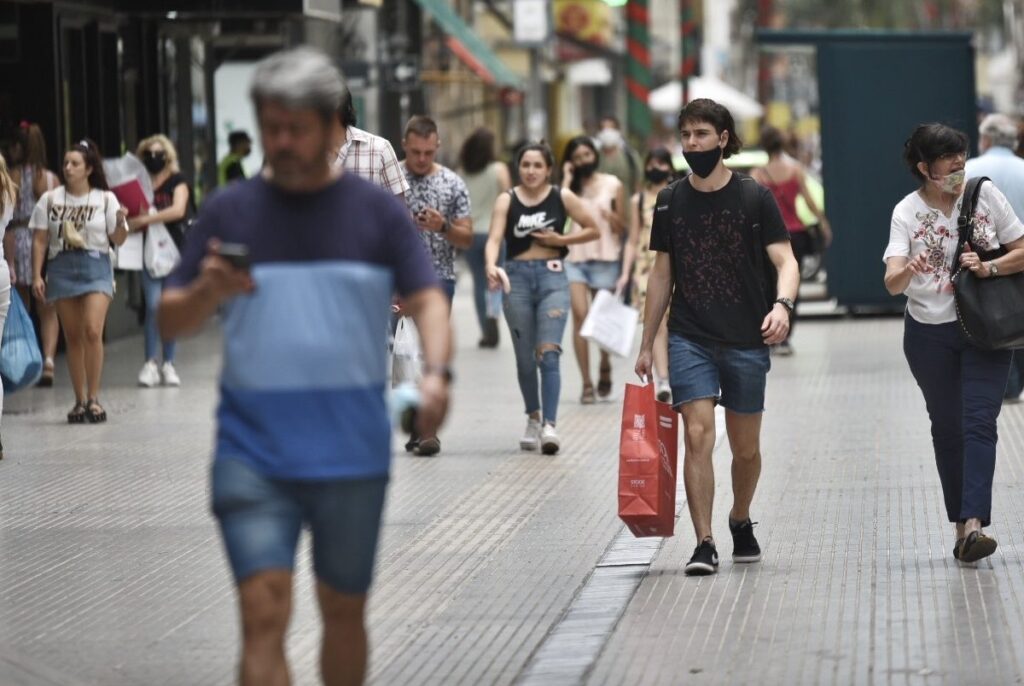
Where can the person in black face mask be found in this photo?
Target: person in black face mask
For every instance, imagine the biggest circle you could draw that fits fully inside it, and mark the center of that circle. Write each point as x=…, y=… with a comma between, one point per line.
x=594, y=265
x=638, y=258
x=725, y=263
x=171, y=206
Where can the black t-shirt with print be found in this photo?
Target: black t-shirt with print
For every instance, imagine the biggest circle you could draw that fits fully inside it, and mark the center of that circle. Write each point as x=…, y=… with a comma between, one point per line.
x=163, y=197
x=721, y=284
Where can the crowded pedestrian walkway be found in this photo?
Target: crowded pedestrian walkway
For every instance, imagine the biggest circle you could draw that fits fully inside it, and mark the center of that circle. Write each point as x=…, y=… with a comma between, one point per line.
x=112, y=571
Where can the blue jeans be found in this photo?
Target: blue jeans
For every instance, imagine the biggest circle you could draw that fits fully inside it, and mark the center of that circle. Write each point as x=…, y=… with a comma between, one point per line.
x=537, y=310
x=735, y=378
x=963, y=391
x=261, y=519
x=151, y=291
x=478, y=269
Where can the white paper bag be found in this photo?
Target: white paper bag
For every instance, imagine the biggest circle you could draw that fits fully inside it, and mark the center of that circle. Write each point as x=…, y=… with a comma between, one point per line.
x=407, y=360
x=128, y=255
x=611, y=324
x=161, y=254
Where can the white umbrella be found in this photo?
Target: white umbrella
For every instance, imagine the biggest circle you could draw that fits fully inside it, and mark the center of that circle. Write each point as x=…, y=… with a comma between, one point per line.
x=669, y=98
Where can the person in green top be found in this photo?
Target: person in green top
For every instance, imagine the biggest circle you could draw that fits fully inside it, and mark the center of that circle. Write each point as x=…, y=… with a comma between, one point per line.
x=230, y=168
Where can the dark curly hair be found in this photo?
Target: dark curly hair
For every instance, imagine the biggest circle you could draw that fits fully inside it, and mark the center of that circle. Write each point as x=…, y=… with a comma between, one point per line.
x=710, y=112
x=477, y=151
x=91, y=154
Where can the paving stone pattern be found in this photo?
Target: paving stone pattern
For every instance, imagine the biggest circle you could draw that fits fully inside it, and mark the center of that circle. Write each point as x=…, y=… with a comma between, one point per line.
x=111, y=570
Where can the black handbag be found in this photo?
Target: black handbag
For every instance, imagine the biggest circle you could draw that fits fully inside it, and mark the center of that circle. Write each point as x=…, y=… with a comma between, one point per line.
x=990, y=311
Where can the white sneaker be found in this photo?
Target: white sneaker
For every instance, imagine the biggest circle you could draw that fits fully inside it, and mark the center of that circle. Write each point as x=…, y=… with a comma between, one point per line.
x=664, y=391
x=149, y=376
x=549, y=441
x=531, y=438
x=171, y=377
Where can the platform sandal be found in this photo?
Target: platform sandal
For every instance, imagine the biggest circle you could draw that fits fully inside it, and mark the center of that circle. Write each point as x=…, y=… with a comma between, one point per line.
x=94, y=412
x=77, y=413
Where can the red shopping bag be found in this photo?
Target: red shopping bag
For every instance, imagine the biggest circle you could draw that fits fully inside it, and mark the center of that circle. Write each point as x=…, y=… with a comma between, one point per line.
x=648, y=453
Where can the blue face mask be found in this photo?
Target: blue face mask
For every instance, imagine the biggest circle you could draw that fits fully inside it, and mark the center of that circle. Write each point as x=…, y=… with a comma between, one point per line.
x=703, y=162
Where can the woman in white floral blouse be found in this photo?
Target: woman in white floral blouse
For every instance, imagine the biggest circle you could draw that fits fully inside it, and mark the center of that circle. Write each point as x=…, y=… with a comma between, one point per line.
x=962, y=383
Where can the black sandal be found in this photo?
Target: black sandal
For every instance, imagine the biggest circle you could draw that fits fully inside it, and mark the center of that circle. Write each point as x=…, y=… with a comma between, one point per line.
x=977, y=546
x=92, y=415
x=77, y=413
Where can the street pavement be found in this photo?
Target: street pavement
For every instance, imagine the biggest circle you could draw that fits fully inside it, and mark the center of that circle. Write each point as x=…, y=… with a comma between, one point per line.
x=497, y=566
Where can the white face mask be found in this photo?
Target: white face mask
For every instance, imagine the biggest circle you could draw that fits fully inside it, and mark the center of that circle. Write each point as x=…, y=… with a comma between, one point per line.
x=950, y=183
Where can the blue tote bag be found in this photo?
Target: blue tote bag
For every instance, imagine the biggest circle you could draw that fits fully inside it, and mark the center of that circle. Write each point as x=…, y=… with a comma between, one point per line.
x=21, y=362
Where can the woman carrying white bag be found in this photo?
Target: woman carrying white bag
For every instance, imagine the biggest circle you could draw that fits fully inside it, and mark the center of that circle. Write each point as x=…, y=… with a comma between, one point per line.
x=160, y=253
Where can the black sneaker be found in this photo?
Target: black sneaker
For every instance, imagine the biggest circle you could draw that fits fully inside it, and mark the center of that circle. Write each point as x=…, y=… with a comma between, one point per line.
x=704, y=560
x=744, y=545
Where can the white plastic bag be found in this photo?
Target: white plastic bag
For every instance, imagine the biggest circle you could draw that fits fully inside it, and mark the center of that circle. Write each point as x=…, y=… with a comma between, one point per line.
x=611, y=324
x=407, y=360
x=161, y=254
x=128, y=255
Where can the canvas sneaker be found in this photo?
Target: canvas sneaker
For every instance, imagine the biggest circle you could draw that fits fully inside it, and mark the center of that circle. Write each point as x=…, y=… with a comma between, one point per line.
x=170, y=375
x=744, y=545
x=149, y=375
x=531, y=437
x=549, y=441
x=704, y=560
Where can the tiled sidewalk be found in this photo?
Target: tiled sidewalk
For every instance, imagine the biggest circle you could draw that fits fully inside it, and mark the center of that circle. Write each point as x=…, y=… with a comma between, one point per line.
x=111, y=570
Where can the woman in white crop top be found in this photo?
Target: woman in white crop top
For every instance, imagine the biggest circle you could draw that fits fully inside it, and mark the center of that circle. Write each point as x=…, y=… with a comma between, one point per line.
x=962, y=384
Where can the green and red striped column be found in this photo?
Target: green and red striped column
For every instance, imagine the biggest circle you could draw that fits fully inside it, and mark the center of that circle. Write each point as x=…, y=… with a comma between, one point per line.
x=638, y=68
x=689, y=41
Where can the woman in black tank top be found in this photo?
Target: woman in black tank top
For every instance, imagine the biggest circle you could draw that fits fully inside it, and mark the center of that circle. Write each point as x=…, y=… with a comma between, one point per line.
x=530, y=219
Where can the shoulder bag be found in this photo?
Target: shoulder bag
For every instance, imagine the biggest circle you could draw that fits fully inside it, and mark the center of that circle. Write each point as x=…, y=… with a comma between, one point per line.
x=990, y=311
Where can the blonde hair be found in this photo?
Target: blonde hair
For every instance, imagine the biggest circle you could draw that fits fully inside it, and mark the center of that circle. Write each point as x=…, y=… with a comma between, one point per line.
x=8, y=191
x=166, y=144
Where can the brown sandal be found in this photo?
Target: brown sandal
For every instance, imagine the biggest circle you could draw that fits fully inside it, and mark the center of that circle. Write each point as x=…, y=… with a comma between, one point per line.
x=604, y=382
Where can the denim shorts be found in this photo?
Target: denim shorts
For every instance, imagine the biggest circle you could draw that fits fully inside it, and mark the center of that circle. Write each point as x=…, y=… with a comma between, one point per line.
x=598, y=274
x=733, y=377
x=261, y=518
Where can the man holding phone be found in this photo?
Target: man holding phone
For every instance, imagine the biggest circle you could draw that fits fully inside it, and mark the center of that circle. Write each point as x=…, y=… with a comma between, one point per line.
x=439, y=202
x=303, y=261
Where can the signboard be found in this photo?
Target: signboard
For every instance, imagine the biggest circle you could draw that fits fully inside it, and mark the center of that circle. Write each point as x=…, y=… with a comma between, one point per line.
x=531, y=24
x=403, y=75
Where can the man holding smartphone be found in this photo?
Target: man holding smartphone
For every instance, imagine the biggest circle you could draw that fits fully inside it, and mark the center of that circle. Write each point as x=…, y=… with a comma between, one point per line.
x=439, y=202
x=303, y=261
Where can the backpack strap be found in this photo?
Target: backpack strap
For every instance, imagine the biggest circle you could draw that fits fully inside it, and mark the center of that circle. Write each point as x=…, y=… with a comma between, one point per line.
x=750, y=194
x=972, y=191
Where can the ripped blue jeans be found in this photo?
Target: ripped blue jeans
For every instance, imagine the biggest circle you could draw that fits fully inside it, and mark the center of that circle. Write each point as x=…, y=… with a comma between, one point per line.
x=537, y=310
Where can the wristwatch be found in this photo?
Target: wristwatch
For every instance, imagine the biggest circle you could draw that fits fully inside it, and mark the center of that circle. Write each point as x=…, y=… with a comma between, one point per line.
x=993, y=270
x=444, y=371
x=787, y=303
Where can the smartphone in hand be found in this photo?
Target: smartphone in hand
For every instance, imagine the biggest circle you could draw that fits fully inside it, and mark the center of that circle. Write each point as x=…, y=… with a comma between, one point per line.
x=237, y=254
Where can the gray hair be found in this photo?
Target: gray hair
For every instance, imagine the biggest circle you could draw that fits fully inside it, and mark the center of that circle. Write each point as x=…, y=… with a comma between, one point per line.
x=299, y=78
x=999, y=129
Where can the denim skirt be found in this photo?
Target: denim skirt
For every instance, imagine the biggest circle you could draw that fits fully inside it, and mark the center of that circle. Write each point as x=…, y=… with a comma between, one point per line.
x=77, y=272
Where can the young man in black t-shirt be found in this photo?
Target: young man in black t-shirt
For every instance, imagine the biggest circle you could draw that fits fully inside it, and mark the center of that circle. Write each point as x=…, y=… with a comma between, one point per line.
x=725, y=262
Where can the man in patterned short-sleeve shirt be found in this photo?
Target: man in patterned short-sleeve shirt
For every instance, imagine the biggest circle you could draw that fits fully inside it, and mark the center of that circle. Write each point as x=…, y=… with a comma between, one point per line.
x=439, y=202
x=366, y=155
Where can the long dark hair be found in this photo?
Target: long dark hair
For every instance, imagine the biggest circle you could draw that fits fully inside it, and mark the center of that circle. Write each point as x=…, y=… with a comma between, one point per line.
x=661, y=154
x=570, y=148
x=91, y=154
x=477, y=151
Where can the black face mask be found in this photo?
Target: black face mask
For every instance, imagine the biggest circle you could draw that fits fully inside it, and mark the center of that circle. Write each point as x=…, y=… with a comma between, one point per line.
x=585, y=171
x=703, y=162
x=154, y=162
x=657, y=175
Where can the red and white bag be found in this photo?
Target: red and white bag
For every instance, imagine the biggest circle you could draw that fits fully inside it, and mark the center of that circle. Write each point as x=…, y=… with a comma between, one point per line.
x=648, y=453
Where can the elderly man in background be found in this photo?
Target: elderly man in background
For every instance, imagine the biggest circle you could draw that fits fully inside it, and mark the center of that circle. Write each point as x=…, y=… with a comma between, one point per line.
x=998, y=161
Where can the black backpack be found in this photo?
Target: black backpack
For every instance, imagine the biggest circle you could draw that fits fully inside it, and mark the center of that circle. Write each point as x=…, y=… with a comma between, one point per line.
x=750, y=191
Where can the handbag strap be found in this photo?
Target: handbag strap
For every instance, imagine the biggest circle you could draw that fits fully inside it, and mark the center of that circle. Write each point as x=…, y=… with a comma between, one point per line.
x=972, y=191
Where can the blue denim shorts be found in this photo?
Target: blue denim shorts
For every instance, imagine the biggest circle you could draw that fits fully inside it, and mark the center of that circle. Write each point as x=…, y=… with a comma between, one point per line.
x=78, y=272
x=261, y=518
x=598, y=274
x=733, y=377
